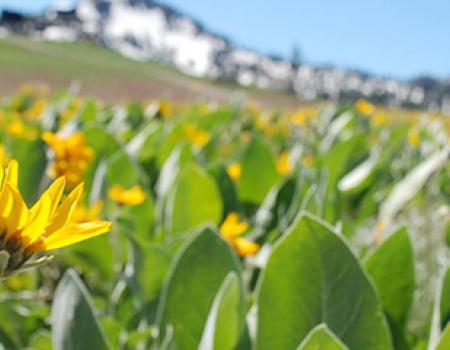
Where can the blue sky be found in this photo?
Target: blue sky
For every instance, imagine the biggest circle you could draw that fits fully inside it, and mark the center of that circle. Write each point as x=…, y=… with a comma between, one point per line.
x=401, y=38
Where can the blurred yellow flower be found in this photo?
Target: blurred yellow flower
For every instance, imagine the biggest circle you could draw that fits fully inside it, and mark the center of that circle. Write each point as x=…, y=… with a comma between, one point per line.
x=234, y=171
x=413, y=137
x=379, y=119
x=72, y=156
x=197, y=136
x=165, y=108
x=18, y=129
x=36, y=110
x=364, y=107
x=48, y=225
x=284, y=165
x=132, y=196
x=231, y=229
x=299, y=118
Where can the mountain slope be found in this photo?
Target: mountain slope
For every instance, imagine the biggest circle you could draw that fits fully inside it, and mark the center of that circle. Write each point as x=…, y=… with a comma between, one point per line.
x=103, y=73
x=147, y=30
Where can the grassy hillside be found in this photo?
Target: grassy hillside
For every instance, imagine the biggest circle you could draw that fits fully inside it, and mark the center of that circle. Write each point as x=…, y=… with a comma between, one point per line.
x=106, y=74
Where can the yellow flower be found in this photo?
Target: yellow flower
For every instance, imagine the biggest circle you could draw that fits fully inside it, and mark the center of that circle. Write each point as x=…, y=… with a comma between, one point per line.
x=299, y=118
x=197, y=136
x=234, y=171
x=48, y=225
x=16, y=128
x=379, y=119
x=364, y=107
x=284, y=166
x=165, y=108
x=413, y=137
x=231, y=229
x=72, y=156
x=36, y=110
x=133, y=196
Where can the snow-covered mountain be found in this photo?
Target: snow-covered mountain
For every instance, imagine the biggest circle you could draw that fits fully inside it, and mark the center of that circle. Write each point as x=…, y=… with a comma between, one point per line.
x=147, y=30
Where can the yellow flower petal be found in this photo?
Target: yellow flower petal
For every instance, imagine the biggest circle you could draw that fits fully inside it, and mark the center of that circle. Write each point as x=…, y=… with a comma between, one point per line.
x=245, y=247
x=64, y=211
x=19, y=211
x=75, y=234
x=12, y=173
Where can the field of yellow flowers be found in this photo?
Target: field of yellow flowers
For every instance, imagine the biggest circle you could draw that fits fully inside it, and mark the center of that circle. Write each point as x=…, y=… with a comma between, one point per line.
x=203, y=226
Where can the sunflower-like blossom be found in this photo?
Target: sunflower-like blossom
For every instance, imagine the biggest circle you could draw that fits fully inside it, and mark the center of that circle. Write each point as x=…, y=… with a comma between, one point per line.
x=72, y=156
x=48, y=225
x=232, y=229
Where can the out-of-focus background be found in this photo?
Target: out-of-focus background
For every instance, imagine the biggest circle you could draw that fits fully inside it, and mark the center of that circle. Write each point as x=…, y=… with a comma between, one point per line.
x=276, y=52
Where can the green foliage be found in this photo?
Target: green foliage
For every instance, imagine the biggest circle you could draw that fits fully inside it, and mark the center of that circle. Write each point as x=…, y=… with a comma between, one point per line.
x=321, y=337
x=311, y=270
x=391, y=266
x=74, y=324
x=194, y=200
x=321, y=263
x=259, y=174
x=210, y=260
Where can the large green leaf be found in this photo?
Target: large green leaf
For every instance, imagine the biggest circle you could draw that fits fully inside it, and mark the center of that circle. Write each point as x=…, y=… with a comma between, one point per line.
x=321, y=338
x=259, y=174
x=444, y=341
x=122, y=170
x=194, y=200
x=196, y=275
x=391, y=267
x=312, y=277
x=226, y=318
x=74, y=324
x=31, y=156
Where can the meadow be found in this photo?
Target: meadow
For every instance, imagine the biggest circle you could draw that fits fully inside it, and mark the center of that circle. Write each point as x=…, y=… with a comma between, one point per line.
x=234, y=226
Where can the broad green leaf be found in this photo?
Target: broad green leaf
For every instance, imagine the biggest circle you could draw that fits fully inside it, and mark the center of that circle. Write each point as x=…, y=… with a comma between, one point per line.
x=152, y=264
x=122, y=170
x=193, y=201
x=101, y=141
x=226, y=318
x=444, y=341
x=195, y=277
x=42, y=340
x=391, y=267
x=259, y=174
x=321, y=338
x=93, y=257
x=312, y=277
x=335, y=161
x=32, y=160
x=74, y=324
